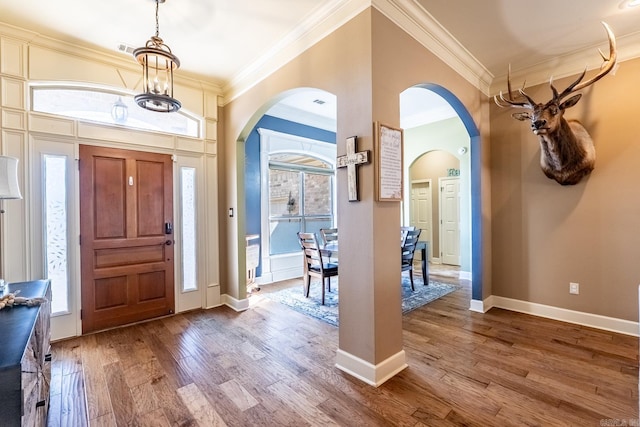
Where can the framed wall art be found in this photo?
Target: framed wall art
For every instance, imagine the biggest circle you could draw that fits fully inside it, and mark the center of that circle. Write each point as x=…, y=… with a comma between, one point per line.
x=389, y=147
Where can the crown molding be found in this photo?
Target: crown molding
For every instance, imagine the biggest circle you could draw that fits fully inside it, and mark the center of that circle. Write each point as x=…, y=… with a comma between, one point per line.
x=407, y=14
x=322, y=22
x=567, y=65
x=422, y=26
x=114, y=59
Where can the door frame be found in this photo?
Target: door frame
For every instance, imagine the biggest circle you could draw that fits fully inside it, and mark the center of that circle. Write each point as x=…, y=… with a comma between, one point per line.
x=190, y=299
x=69, y=324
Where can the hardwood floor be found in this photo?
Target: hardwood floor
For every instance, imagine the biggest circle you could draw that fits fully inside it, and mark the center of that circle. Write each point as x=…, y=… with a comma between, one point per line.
x=273, y=366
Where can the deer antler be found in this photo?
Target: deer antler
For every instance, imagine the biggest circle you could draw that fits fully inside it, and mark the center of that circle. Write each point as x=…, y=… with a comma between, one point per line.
x=606, y=67
x=511, y=102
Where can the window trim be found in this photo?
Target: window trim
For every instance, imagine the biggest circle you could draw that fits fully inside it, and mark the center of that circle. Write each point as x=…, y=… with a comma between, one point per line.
x=274, y=142
x=45, y=85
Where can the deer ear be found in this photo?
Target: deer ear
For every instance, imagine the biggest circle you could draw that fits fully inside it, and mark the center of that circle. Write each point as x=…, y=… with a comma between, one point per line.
x=570, y=102
x=521, y=116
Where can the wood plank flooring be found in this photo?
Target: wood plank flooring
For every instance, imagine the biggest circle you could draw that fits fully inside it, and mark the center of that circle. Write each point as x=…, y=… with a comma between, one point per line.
x=272, y=366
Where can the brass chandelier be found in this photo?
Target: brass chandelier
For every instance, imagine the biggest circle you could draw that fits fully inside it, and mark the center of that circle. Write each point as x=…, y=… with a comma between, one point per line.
x=158, y=64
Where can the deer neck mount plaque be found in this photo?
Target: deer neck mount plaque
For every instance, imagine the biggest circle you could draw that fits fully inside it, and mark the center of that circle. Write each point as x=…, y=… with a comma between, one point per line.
x=567, y=153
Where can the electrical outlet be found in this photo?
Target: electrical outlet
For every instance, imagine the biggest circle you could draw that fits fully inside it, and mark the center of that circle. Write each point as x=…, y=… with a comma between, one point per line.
x=574, y=288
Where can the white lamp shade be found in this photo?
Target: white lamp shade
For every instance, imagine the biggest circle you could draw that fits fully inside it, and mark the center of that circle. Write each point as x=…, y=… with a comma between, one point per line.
x=9, y=178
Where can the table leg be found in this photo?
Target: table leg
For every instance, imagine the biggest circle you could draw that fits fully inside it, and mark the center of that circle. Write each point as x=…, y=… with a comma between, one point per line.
x=425, y=266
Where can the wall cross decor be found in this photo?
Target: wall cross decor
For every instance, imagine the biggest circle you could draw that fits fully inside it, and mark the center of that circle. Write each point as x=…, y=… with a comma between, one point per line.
x=350, y=161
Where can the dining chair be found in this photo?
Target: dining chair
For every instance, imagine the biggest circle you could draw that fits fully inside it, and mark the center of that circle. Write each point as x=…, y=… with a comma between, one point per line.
x=403, y=233
x=329, y=234
x=408, y=250
x=315, y=265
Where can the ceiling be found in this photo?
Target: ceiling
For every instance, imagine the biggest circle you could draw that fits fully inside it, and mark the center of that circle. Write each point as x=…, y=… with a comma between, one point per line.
x=227, y=42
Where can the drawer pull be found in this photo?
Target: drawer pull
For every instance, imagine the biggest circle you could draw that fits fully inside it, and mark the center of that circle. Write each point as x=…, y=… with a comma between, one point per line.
x=47, y=357
x=41, y=403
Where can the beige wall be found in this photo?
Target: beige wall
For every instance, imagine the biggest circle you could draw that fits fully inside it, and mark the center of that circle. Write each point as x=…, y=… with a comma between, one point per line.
x=546, y=235
x=366, y=63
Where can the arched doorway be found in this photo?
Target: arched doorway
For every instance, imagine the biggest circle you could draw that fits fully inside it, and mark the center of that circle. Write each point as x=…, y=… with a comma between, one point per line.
x=293, y=136
x=433, y=107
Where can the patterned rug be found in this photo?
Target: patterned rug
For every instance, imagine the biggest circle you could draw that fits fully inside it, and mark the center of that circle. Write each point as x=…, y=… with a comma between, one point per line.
x=294, y=298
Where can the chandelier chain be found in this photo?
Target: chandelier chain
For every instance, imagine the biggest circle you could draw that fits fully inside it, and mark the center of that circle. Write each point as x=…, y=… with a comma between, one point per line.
x=157, y=24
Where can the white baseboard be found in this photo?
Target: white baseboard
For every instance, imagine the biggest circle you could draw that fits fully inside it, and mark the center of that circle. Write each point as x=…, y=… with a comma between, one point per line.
x=374, y=375
x=236, y=304
x=464, y=275
x=477, y=306
x=612, y=324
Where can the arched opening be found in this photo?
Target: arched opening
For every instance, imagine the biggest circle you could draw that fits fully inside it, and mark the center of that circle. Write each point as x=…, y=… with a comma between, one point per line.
x=435, y=119
x=432, y=210
x=289, y=153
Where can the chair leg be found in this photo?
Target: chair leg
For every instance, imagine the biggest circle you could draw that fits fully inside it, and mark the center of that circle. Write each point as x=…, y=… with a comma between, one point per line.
x=323, y=279
x=306, y=285
x=411, y=279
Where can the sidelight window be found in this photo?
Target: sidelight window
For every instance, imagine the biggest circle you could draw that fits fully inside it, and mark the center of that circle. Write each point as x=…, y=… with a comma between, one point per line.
x=188, y=225
x=55, y=171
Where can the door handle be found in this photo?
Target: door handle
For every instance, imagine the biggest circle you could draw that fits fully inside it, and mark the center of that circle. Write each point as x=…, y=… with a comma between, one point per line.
x=168, y=242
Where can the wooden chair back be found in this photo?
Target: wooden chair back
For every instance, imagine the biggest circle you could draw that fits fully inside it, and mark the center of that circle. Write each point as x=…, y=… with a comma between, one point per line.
x=312, y=254
x=315, y=265
x=403, y=233
x=408, y=251
x=329, y=235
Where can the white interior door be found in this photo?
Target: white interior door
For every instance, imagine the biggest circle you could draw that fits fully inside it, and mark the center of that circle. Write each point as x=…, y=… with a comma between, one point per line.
x=421, y=211
x=450, y=220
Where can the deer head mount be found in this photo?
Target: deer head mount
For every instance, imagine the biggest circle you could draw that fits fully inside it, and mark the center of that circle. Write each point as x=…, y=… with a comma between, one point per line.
x=567, y=153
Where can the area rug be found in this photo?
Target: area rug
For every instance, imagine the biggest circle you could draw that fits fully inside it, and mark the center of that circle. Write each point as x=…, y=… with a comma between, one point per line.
x=294, y=298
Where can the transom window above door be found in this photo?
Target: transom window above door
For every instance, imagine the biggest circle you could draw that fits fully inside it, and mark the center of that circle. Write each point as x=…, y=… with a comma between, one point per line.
x=109, y=107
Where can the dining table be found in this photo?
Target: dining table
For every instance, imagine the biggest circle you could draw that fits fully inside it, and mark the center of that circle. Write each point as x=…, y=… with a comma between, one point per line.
x=331, y=250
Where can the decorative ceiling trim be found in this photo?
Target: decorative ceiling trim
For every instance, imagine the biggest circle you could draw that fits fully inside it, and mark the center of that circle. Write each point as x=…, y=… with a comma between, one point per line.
x=322, y=22
x=422, y=26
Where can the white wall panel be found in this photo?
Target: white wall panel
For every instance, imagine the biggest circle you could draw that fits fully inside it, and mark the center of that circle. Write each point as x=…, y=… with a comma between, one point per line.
x=13, y=59
x=51, y=125
x=15, y=239
x=12, y=119
x=13, y=93
x=212, y=261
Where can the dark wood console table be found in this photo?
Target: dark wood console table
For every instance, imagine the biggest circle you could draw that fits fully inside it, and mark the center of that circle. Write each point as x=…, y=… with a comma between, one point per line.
x=25, y=357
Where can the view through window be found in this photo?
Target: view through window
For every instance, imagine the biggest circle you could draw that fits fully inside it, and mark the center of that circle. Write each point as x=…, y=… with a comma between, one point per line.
x=300, y=199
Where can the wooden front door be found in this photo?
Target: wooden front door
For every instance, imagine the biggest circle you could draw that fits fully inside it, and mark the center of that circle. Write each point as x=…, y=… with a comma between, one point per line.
x=126, y=236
